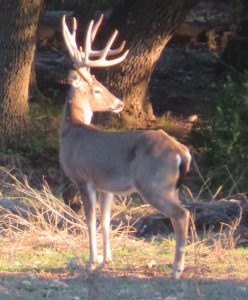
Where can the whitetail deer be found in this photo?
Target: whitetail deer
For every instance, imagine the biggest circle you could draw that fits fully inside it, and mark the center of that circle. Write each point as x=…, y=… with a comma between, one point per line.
x=105, y=163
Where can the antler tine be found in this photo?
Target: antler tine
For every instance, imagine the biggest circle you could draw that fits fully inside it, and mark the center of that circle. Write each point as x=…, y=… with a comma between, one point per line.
x=66, y=35
x=102, y=54
x=118, y=50
x=81, y=58
x=111, y=52
x=87, y=44
x=95, y=28
x=110, y=42
x=74, y=28
x=70, y=41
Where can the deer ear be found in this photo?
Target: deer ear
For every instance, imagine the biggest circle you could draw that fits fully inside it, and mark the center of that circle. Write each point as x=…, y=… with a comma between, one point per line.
x=75, y=80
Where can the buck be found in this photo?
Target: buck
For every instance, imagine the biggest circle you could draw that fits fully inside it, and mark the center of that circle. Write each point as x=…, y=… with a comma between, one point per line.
x=103, y=163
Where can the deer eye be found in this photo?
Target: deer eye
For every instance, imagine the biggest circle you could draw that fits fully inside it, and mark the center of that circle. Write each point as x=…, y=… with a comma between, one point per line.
x=97, y=90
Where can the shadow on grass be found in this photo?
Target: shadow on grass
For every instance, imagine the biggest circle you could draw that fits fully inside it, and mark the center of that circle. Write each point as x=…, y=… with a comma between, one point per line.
x=107, y=285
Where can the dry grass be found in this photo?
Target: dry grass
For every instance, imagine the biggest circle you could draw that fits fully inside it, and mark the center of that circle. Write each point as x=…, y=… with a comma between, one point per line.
x=37, y=221
x=47, y=235
x=213, y=254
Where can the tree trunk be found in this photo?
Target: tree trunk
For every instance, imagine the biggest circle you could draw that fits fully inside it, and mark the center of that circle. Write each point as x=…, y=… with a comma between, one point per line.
x=236, y=54
x=18, y=26
x=34, y=91
x=147, y=27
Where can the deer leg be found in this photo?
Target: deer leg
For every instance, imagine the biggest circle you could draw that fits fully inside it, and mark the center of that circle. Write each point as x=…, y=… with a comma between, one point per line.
x=69, y=194
x=168, y=203
x=105, y=203
x=89, y=201
x=180, y=224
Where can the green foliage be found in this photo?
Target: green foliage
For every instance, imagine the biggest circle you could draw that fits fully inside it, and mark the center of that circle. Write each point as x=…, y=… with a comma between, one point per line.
x=42, y=138
x=223, y=138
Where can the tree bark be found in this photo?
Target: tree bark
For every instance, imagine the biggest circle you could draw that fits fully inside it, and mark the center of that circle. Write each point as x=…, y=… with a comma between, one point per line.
x=147, y=26
x=34, y=91
x=236, y=54
x=18, y=26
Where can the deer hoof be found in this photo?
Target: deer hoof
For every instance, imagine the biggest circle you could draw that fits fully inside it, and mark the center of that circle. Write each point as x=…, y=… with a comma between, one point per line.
x=99, y=259
x=106, y=263
x=90, y=266
x=177, y=274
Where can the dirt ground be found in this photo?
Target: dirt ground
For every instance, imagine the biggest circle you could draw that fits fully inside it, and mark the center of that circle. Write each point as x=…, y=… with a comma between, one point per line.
x=107, y=285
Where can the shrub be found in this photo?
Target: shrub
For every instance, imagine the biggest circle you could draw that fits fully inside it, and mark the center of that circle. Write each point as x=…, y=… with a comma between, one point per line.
x=223, y=138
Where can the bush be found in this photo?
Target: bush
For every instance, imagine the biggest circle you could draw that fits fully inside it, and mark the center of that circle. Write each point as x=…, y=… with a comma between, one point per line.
x=223, y=138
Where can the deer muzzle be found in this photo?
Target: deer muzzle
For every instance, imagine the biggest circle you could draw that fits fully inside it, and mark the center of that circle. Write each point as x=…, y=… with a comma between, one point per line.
x=117, y=106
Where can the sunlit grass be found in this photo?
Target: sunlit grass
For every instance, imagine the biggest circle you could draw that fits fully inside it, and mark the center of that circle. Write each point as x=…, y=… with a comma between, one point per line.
x=46, y=259
x=37, y=242
x=173, y=126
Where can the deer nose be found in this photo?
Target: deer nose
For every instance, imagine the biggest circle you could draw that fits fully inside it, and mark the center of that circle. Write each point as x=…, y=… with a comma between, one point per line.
x=119, y=105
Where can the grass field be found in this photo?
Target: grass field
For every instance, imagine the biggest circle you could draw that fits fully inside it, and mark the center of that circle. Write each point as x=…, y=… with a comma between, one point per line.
x=44, y=252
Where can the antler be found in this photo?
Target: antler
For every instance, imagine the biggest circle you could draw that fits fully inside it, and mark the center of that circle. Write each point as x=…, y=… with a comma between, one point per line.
x=81, y=58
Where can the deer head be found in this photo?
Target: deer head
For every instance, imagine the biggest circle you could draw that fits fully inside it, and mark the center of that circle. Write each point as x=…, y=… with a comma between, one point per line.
x=91, y=94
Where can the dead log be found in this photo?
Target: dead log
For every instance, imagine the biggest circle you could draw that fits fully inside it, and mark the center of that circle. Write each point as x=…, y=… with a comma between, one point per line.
x=206, y=35
x=214, y=215
x=49, y=31
x=218, y=212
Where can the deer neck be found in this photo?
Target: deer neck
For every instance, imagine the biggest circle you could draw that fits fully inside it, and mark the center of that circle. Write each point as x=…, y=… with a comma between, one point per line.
x=77, y=109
